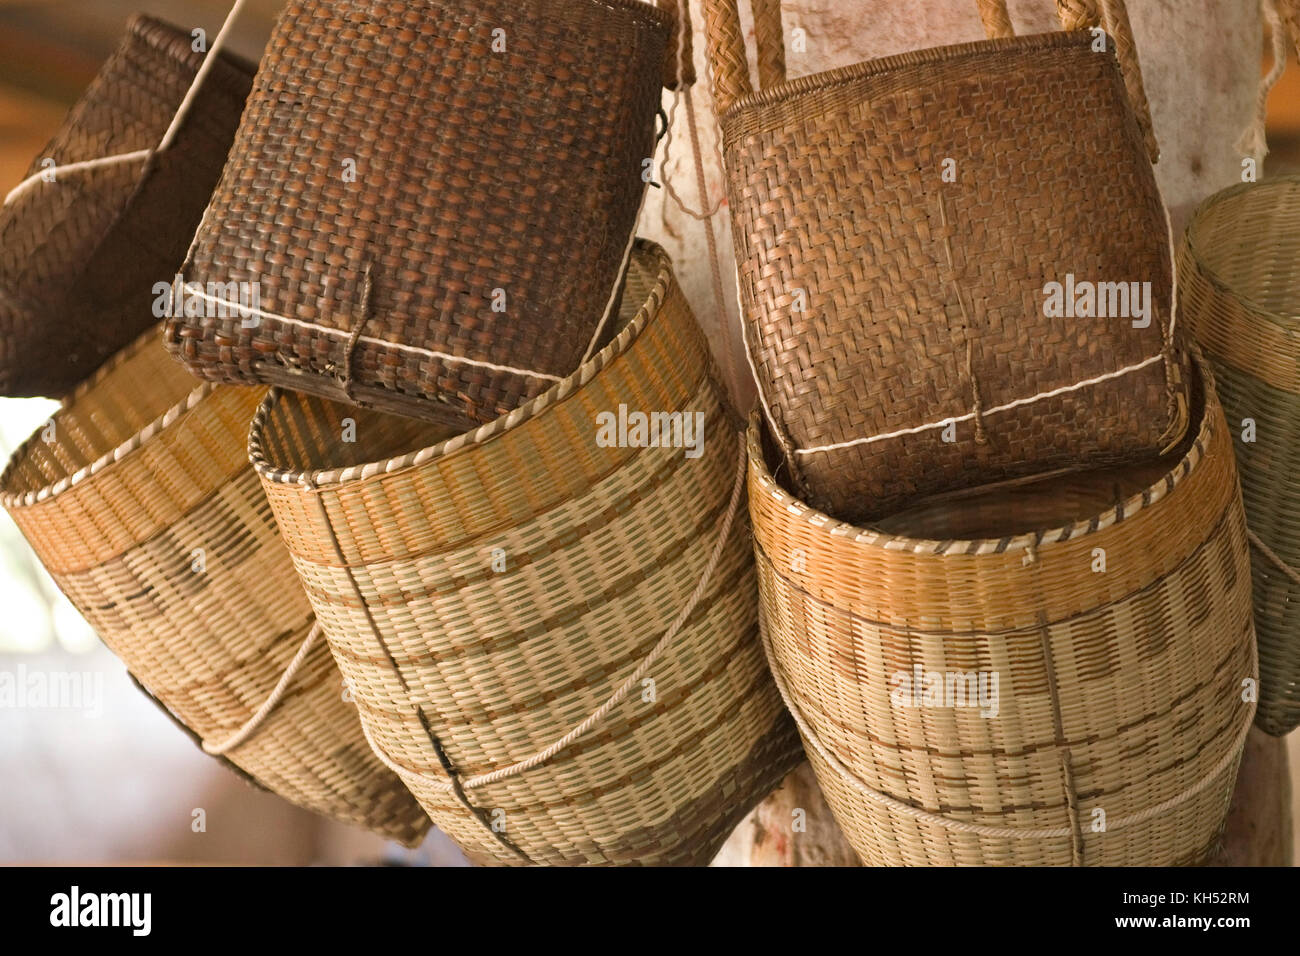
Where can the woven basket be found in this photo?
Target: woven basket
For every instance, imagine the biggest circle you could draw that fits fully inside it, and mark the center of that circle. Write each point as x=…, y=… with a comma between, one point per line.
x=896, y=319
x=490, y=596
x=1239, y=293
x=140, y=501
x=438, y=225
x=79, y=257
x=1119, y=691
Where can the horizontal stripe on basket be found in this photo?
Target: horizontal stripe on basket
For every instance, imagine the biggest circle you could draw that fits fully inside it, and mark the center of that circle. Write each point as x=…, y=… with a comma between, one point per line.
x=661, y=474
x=910, y=631
x=239, y=308
x=1015, y=833
x=476, y=712
x=983, y=546
x=617, y=728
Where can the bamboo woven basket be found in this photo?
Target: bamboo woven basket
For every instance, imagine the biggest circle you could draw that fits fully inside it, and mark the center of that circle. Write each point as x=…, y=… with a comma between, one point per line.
x=897, y=224
x=139, y=499
x=79, y=256
x=468, y=256
x=1239, y=293
x=493, y=597
x=1123, y=695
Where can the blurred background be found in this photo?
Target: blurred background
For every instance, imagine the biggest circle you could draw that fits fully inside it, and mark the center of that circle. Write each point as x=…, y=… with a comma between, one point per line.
x=119, y=783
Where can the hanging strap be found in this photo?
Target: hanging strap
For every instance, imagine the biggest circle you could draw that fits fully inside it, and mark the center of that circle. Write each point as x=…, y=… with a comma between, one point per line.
x=1114, y=17
x=1253, y=141
x=599, y=714
x=251, y=725
x=1078, y=14
x=439, y=751
x=198, y=741
x=769, y=42
x=996, y=19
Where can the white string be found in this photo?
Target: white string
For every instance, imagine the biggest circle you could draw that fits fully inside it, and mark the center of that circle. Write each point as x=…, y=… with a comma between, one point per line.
x=618, y=282
x=246, y=310
x=139, y=155
x=1041, y=396
x=85, y=164
x=246, y=731
x=209, y=63
x=724, y=535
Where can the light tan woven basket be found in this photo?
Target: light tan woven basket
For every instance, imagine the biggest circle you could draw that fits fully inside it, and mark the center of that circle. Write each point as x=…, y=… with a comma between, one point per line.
x=1122, y=696
x=552, y=637
x=1239, y=293
x=140, y=501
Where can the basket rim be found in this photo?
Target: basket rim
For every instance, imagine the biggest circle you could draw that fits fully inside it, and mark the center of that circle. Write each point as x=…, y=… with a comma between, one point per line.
x=652, y=16
x=825, y=524
x=173, y=42
x=12, y=500
x=840, y=76
x=1290, y=321
x=648, y=310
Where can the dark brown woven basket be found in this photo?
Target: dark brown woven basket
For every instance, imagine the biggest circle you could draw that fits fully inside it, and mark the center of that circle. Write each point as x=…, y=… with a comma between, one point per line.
x=79, y=256
x=497, y=147
x=896, y=316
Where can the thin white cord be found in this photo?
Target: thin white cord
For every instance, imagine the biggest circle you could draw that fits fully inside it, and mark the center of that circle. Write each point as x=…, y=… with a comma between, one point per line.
x=724, y=535
x=246, y=731
x=140, y=155
x=246, y=310
x=1041, y=396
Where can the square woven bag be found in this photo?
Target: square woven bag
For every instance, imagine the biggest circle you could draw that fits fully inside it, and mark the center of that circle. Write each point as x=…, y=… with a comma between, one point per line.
x=917, y=239
x=435, y=200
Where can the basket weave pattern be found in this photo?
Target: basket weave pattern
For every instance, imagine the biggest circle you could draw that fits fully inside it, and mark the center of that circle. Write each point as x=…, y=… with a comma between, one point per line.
x=1119, y=690
x=881, y=297
x=147, y=474
x=462, y=670
x=1239, y=289
x=477, y=172
x=79, y=257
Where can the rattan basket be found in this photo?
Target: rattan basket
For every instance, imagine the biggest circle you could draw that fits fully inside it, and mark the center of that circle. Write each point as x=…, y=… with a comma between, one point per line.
x=79, y=256
x=139, y=499
x=436, y=197
x=552, y=637
x=898, y=226
x=1113, y=609
x=1239, y=293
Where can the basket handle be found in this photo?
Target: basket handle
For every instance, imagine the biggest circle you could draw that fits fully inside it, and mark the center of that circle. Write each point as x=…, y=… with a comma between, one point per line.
x=1289, y=10
x=225, y=761
x=679, y=33
x=730, y=64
